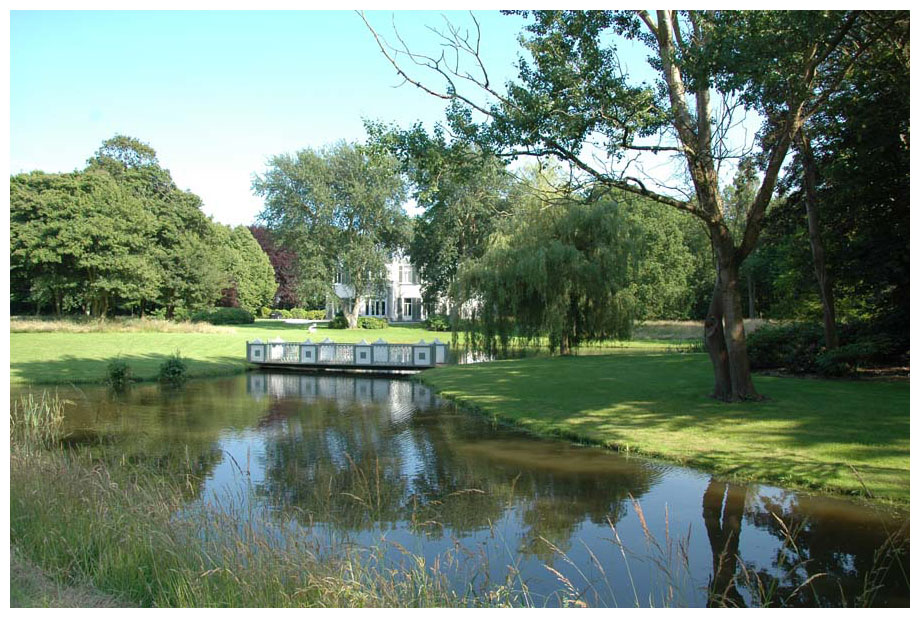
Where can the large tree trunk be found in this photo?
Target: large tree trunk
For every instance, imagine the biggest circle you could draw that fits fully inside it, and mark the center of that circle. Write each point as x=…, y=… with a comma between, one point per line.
x=724, y=329
x=350, y=311
x=825, y=286
x=714, y=336
x=733, y=323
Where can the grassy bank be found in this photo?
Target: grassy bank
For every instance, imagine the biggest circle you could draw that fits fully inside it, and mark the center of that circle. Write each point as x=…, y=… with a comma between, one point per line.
x=850, y=437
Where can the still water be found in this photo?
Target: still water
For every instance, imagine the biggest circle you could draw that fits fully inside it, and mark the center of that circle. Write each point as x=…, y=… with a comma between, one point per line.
x=384, y=463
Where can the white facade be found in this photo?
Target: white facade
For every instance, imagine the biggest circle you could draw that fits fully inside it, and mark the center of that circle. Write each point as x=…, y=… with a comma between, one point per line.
x=401, y=301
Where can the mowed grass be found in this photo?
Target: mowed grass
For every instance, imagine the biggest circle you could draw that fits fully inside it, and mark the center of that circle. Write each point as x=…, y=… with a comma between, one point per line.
x=79, y=351
x=842, y=436
x=64, y=357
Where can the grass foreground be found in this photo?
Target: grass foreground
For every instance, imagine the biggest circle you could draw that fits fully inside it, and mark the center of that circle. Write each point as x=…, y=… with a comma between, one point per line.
x=850, y=437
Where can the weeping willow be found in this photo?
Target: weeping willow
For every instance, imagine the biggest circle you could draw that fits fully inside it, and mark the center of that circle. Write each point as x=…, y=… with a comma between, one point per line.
x=561, y=272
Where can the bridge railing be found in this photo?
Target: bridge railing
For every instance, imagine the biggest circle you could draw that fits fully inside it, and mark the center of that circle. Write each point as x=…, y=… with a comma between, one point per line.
x=361, y=354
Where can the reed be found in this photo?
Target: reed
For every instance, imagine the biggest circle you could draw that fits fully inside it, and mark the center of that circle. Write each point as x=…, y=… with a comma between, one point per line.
x=37, y=421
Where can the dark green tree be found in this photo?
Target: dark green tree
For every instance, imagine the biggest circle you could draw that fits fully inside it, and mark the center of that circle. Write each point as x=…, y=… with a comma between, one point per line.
x=247, y=268
x=848, y=193
x=83, y=241
x=185, y=240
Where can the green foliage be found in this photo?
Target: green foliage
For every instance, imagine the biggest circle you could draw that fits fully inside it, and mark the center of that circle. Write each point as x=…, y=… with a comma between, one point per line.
x=82, y=239
x=338, y=322
x=799, y=348
x=438, y=322
x=849, y=357
x=247, y=267
x=173, y=371
x=339, y=210
x=120, y=236
x=299, y=313
x=265, y=312
x=224, y=315
x=789, y=346
x=560, y=271
x=671, y=260
x=462, y=190
x=372, y=323
x=119, y=374
x=860, y=140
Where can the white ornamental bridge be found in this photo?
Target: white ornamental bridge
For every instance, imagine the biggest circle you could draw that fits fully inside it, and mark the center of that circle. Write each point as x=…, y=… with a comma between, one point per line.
x=361, y=355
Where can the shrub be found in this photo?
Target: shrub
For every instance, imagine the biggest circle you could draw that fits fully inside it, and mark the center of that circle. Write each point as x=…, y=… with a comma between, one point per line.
x=316, y=314
x=173, y=371
x=265, y=312
x=372, y=323
x=799, y=348
x=849, y=357
x=438, y=322
x=790, y=346
x=119, y=374
x=338, y=321
x=224, y=315
x=298, y=314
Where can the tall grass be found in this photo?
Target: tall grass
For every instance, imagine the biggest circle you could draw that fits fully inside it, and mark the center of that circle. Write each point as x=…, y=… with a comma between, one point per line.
x=37, y=422
x=112, y=325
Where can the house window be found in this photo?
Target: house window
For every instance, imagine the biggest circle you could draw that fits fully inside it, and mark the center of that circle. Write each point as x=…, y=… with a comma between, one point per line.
x=411, y=307
x=407, y=274
x=342, y=277
x=375, y=308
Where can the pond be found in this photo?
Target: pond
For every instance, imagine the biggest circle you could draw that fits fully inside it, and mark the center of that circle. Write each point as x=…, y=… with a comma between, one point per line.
x=383, y=463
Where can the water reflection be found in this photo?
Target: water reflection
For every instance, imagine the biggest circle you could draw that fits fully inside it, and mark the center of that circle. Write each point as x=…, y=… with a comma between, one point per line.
x=370, y=458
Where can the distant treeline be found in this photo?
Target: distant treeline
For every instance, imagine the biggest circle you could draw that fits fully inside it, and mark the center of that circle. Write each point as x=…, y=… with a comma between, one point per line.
x=120, y=237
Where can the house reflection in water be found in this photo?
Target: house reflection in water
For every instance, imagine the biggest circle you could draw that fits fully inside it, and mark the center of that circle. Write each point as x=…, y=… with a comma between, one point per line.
x=340, y=388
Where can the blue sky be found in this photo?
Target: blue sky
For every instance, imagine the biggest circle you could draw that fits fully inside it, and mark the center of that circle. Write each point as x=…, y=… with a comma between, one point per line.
x=218, y=93
x=215, y=93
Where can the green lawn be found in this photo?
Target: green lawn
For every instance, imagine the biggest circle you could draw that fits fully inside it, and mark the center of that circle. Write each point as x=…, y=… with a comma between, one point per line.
x=63, y=357
x=808, y=433
x=66, y=357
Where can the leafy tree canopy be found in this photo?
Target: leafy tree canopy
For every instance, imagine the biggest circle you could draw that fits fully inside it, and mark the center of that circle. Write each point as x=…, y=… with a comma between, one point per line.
x=340, y=210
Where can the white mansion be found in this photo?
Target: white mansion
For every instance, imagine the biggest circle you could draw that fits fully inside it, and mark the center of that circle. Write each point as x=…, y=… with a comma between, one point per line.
x=401, y=301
